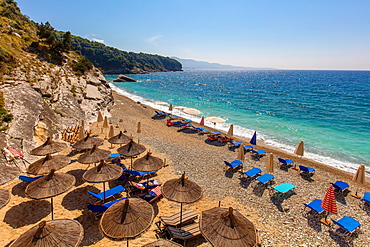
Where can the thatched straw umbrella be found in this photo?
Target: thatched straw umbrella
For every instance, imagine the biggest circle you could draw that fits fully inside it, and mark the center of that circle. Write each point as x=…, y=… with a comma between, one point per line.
x=162, y=243
x=181, y=190
x=93, y=156
x=102, y=173
x=63, y=232
x=119, y=139
x=127, y=218
x=49, y=186
x=49, y=147
x=148, y=163
x=87, y=143
x=227, y=227
x=131, y=149
x=44, y=165
x=4, y=197
x=8, y=173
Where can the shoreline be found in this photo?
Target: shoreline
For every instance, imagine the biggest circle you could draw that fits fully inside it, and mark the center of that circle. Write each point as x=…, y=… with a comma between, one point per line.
x=284, y=149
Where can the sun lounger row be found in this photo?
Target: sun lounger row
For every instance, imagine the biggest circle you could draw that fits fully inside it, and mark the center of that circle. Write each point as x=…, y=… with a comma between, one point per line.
x=255, y=173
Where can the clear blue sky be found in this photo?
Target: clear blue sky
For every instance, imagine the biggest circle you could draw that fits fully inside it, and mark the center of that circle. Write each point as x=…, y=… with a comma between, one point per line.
x=294, y=34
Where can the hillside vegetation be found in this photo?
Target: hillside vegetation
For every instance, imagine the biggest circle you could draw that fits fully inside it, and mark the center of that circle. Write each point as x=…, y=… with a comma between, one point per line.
x=114, y=61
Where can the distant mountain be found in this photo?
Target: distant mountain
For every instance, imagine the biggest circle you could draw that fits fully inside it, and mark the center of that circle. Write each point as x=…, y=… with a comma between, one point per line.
x=188, y=64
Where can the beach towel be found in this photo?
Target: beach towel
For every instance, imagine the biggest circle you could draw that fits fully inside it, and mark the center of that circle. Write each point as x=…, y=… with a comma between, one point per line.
x=16, y=153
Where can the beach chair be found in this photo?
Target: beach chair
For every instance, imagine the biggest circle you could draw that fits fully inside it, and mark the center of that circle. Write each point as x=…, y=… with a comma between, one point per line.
x=234, y=164
x=188, y=216
x=252, y=173
x=156, y=193
x=185, y=233
x=234, y=144
x=29, y=179
x=286, y=162
x=365, y=199
x=162, y=113
x=315, y=206
x=248, y=148
x=265, y=178
x=340, y=186
x=307, y=170
x=282, y=189
x=108, y=193
x=258, y=153
x=348, y=224
x=104, y=207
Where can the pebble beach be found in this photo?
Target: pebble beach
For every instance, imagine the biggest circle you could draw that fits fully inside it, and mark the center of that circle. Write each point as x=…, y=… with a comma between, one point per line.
x=280, y=221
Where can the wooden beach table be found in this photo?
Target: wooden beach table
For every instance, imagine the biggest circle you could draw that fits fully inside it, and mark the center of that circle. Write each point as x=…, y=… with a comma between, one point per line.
x=188, y=216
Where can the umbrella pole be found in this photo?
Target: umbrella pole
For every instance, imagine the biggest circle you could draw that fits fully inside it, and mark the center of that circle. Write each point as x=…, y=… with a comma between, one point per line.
x=104, y=192
x=180, y=215
x=51, y=208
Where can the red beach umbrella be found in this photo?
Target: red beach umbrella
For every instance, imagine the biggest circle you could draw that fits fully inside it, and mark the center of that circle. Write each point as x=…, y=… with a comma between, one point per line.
x=202, y=121
x=329, y=204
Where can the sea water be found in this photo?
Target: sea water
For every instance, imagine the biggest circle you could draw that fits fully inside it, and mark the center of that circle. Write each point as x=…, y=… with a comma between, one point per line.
x=328, y=110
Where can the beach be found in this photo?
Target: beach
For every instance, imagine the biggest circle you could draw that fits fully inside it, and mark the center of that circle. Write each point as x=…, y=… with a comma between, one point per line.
x=279, y=221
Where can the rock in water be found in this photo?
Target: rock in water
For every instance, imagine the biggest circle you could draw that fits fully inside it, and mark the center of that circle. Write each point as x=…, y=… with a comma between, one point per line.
x=122, y=78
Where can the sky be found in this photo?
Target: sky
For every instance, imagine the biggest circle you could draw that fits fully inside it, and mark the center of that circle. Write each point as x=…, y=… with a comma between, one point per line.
x=284, y=34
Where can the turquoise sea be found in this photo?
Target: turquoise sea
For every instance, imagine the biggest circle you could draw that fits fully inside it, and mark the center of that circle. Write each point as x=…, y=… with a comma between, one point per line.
x=328, y=110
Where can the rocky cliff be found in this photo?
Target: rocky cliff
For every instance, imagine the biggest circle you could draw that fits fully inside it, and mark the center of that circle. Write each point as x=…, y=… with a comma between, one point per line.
x=44, y=99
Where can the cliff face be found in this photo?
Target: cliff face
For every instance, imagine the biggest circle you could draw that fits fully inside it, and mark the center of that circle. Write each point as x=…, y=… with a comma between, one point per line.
x=45, y=99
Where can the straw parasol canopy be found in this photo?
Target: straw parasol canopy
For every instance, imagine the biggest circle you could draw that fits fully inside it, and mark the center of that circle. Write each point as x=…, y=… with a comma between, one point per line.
x=8, y=173
x=131, y=149
x=51, y=185
x=270, y=164
x=4, y=197
x=227, y=227
x=160, y=103
x=182, y=190
x=162, y=243
x=62, y=232
x=231, y=130
x=102, y=173
x=111, y=132
x=241, y=155
x=191, y=111
x=93, y=156
x=148, y=163
x=127, y=218
x=119, y=139
x=359, y=177
x=44, y=165
x=88, y=143
x=215, y=119
x=299, y=150
x=100, y=117
x=105, y=123
x=49, y=147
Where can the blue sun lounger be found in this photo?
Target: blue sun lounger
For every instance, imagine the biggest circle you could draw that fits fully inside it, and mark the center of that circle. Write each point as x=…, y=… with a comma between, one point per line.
x=234, y=164
x=162, y=113
x=315, y=205
x=285, y=162
x=234, y=144
x=265, y=178
x=29, y=179
x=104, y=207
x=248, y=147
x=251, y=173
x=366, y=197
x=348, y=224
x=108, y=193
x=307, y=170
x=258, y=153
x=340, y=185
